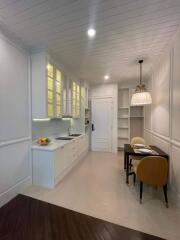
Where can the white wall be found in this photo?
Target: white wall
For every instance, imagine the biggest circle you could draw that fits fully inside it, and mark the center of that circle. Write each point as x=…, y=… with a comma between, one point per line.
x=163, y=117
x=15, y=130
x=108, y=90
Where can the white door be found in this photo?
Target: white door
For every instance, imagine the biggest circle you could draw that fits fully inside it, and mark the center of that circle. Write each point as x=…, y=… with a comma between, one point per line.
x=102, y=124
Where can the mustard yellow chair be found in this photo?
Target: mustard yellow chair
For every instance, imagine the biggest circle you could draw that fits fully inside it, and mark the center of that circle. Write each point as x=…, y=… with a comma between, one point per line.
x=134, y=160
x=152, y=170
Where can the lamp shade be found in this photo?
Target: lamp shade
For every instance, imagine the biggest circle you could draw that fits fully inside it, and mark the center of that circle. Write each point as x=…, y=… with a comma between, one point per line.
x=141, y=98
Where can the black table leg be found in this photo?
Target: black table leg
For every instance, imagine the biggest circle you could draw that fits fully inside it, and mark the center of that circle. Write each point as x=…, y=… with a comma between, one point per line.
x=125, y=160
x=127, y=168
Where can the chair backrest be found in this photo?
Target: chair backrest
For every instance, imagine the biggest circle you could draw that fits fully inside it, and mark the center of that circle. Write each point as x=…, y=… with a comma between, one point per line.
x=153, y=170
x=137, y=140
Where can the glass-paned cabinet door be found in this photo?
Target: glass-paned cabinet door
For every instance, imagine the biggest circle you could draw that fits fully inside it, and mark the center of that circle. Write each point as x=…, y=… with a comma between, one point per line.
x=78, y=101
x=50, y=89
x=58, y=93
x=64, y=96
x=83, y=94
x=74, y=99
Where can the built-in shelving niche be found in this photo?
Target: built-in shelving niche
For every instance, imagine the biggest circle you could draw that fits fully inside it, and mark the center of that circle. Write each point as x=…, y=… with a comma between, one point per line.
x=136, y=121
x=123, y=117
x=130, y=118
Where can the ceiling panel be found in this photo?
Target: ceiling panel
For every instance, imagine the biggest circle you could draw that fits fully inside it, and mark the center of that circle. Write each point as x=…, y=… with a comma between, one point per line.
x=126, y=31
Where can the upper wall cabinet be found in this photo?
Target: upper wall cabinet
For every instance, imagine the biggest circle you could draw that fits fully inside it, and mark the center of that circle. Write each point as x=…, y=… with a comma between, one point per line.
x=76, y=100
x=67, y=97
x=46, y=87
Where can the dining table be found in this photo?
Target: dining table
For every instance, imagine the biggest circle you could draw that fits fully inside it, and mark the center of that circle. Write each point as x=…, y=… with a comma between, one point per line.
x=130, y=150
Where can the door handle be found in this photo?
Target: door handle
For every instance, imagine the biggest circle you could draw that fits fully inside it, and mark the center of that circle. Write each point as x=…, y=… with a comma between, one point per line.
x=93, y=129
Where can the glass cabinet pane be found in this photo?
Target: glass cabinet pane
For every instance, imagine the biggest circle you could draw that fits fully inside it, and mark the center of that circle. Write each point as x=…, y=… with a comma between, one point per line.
x=78, y=98
x=74, y=95
x=58, y=75
x=74, y=86
x=58, y=87
x=50, y=83
x=58, y=99
x=77, y=88
x=58, y=92
x=50, y=110
x=75, y=100
x=50, y=70
x=50, y=97
x=58, y=110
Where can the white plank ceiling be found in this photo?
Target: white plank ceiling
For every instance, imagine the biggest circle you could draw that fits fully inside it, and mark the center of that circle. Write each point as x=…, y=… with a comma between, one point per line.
x=126, y=31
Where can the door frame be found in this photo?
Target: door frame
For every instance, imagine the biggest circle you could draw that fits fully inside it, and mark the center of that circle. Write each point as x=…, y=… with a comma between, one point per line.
x=111, y=118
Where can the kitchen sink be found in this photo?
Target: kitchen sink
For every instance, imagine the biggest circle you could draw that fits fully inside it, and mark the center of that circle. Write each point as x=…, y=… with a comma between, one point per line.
x=64, y=138
x=75, y=135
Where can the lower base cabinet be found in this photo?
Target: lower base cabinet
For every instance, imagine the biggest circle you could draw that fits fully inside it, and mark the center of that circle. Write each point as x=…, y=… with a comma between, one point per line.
x=49, y=167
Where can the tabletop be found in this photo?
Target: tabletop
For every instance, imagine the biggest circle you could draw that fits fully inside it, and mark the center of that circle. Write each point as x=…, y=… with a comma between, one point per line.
x=130, y=151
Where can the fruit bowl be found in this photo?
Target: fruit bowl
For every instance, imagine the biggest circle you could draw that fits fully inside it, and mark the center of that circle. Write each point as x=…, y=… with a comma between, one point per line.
x=43, y=141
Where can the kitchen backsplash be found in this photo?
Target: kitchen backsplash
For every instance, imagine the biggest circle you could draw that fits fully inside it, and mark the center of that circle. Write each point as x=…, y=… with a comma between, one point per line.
x=50, y=128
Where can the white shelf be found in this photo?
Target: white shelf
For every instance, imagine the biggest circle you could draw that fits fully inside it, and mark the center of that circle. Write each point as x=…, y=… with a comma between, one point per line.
x=136, y=116
x=121, y=147
x=125, y=137
x=123, y=108
x=123, y=116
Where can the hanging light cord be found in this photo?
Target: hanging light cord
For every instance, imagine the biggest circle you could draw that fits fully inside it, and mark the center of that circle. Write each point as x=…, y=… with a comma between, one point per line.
x=140, y=62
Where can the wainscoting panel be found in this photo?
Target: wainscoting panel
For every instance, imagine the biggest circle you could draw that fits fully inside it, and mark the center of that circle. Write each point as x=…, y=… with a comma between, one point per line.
x=158, y=140
x=162, y=144
x=161, y=96
x=175, y=169
x=15, y=170
x=173, y=149
x=176, y=93
x=15, y=120
x=165, y=114
x=147, y=136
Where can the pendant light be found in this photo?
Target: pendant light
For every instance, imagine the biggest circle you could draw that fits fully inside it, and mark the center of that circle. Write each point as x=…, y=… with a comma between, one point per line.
x=141, y=96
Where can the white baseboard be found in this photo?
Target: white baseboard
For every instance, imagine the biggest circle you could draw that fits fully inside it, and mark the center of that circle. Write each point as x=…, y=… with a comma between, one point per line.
x=15, y=190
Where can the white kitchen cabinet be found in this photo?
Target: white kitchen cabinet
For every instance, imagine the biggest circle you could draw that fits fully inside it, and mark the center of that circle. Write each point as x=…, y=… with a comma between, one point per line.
x=50, y=166
x=67, y=97
x=46, y=87
x=76, y=100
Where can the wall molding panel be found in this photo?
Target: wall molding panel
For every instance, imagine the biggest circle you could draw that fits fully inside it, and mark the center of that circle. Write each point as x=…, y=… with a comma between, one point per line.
x=161, y=136
x=15, y=121
x=162, y=119
x=15, y=141
x=14, y=190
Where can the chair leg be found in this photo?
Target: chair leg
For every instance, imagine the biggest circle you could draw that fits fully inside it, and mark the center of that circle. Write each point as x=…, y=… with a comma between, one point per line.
x=134, y=178
x=141, y=191
x=165, y=194
x=130, y=164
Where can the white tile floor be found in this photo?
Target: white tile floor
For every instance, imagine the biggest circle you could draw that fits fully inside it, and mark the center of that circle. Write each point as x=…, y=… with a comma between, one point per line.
x=97, y=187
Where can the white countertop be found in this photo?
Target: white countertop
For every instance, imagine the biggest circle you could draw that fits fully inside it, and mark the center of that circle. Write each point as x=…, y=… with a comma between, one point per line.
x=54, y=144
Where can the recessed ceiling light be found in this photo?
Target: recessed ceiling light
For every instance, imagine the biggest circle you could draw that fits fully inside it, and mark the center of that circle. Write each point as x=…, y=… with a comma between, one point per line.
x=91, y=32
x=106, y=77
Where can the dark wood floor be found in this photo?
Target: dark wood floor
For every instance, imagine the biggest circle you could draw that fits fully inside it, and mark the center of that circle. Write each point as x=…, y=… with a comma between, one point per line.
x=25, y=218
